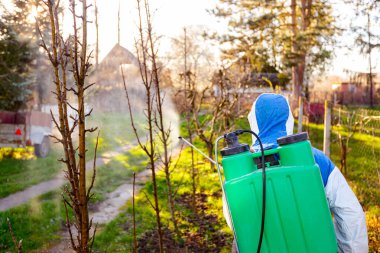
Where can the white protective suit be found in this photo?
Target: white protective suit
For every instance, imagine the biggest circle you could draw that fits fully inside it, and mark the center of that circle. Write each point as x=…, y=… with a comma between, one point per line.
x=271, y=118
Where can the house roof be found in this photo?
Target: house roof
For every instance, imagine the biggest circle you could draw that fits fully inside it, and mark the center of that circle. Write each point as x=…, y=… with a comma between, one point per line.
x=118, y=56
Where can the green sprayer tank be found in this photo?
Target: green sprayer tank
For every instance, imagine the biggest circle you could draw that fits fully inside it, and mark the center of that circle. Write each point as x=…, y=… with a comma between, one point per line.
x=297, y=214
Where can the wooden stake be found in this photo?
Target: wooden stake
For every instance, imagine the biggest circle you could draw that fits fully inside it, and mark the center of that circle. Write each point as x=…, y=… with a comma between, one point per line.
x=134, y=214
x=327, y=128
x=300, y=114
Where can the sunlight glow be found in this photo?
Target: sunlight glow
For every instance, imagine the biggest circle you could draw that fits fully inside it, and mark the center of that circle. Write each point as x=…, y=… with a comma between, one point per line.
x=33, y=15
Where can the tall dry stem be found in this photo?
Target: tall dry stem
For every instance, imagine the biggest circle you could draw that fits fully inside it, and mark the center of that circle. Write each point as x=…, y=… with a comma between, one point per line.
x=70, y=56
x=149, y=147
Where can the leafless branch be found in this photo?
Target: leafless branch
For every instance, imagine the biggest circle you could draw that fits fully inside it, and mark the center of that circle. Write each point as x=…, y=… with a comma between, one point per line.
x=130, y=112
x=94, y=167
x=18, y=245
x=150, y=202
x=68, y=224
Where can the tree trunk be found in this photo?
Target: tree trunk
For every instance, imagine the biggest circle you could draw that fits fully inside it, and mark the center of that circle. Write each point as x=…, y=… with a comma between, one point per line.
x=295, y=72
x=156, y=207
x=60, y=54
x=370, y=61
x=298, y=70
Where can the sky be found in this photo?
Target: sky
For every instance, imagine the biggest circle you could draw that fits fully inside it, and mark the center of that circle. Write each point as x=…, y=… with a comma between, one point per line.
x=171, y=16
x=169, y=19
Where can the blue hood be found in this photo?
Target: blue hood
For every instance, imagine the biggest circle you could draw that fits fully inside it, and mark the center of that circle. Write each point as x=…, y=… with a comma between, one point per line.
x=271, y=118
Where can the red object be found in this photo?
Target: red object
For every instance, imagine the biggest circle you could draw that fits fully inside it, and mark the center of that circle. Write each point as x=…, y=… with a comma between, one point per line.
x=18, y=132
x=316, y=112
x=28, y=143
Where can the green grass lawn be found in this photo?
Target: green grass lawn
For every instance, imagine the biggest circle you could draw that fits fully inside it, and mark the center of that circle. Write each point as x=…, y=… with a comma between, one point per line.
x=36, y=222
x=17, y=174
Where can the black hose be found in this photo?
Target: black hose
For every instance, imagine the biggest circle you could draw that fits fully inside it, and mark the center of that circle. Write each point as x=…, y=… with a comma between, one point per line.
x=238, y=132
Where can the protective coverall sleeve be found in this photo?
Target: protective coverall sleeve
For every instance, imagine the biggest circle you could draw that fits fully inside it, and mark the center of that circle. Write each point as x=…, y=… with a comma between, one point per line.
x=349, y=219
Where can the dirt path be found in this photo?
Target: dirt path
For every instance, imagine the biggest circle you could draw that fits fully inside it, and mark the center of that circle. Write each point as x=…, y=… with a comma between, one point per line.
x=24, y=196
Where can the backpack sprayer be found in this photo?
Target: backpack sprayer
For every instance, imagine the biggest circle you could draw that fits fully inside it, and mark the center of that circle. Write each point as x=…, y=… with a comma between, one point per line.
x=275, y=197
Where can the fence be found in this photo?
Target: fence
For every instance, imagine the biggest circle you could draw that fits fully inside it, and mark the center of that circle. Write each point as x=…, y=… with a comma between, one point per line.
x=350, y=136
x=361, y=125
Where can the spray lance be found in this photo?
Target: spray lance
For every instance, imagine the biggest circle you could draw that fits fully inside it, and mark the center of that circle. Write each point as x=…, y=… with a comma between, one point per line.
x=280, y=188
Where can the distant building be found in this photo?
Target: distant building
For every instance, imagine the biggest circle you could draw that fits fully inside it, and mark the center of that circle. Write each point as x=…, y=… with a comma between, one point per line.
x=357, y=90
x=352, y=90
x=108, y=93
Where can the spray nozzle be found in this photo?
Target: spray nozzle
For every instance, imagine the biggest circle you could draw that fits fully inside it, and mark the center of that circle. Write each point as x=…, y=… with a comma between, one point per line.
x=233, y=144
x=232, y=139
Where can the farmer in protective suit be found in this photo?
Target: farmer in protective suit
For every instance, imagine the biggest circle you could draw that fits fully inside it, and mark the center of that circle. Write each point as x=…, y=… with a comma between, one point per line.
x=271, y=118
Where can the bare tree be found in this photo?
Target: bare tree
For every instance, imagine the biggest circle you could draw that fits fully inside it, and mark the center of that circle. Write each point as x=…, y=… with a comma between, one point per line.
x=347, y=127
x=223, y=101
x=192, y=62
x=71, y=56
x=145, y=65
x=163, y=131
x=189, y=106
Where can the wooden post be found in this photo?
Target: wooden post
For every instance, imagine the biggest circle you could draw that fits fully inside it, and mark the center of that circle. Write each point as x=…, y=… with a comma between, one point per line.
x=327, y=128
x=300, y=114
x=134, y=214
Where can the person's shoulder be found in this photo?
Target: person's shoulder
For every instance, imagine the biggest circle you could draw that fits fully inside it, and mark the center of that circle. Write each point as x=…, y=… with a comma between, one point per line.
x=326, y=166
x=318, y=152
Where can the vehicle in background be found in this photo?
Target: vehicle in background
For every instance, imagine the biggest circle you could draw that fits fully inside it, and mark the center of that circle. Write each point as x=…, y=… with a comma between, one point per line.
x=22, y=129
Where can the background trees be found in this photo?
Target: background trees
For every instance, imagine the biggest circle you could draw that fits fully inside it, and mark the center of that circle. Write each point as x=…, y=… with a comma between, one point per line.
x=23, y=21
x=290, y=36
x=367, y=37
x=15, y=57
